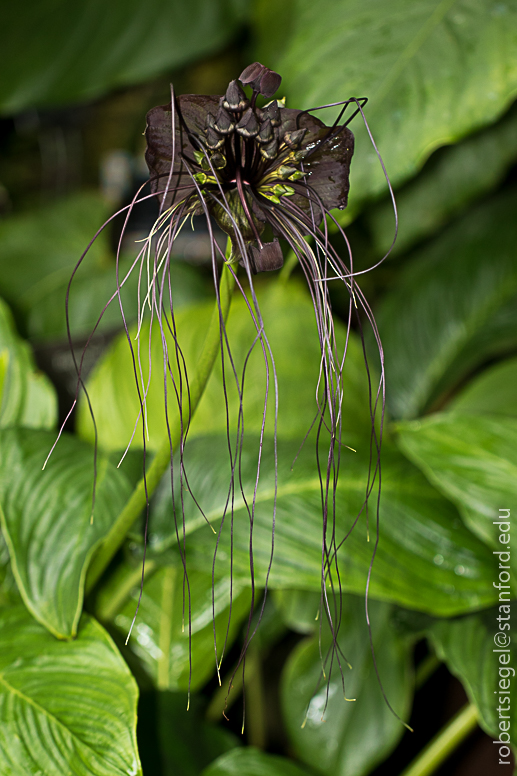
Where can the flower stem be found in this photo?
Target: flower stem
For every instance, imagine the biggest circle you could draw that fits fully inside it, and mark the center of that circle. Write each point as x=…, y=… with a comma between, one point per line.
x=161, y=460
x=444, y=743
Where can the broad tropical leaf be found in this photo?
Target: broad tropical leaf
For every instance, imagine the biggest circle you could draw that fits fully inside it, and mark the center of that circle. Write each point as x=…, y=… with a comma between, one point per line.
x=48, y=523
x=433, y=71
x=348, y=736
x=65, y=706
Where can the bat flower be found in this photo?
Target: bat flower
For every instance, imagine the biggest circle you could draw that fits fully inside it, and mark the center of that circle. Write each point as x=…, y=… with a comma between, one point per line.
x=248, y=166
x=263, y=173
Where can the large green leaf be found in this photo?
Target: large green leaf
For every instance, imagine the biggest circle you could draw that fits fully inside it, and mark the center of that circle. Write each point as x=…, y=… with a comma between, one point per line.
x=493, y=391
x=433, y=70
x=291, y=330
x=471, y=459
x=27, y=397
x=452, y=179
x=47, y=520
x=427, y=559
x=469, y=647
x=65, y=707
x=438, y=323
x=349, y=735
x=252, y=762
x=38, y=253
x=161, y=632
x=58, y=52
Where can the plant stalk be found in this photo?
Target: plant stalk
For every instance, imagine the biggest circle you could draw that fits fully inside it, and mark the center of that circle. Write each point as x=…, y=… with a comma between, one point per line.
x=444, y=743
x=137, y=501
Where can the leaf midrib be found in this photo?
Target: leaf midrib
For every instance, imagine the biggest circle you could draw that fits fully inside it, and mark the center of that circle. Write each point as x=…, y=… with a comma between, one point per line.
x=50, y=716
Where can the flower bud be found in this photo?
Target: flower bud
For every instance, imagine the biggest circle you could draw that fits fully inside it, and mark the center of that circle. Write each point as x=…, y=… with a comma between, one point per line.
x=248, y=126
x=235, y=99
x=224, y=123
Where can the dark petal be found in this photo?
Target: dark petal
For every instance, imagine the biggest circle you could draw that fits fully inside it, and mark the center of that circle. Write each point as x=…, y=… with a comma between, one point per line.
x=248, y=126
x=210, y=120
x=266, y=133
x=224, y=122
x=235, y=99
x=267, y=258
x=218, y=161
x=327, y=161
x=213, y=139
x=271, y=111
x=269, y=83
x=270, y=150
x=293, y=139
x=190, y=119
x=251, y=73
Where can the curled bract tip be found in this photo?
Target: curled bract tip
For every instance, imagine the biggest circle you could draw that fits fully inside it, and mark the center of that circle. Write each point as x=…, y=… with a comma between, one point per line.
x=261, y=79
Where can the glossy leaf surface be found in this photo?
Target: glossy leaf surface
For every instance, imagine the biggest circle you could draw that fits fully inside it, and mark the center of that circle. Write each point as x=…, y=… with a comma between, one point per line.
x=65, y=706
x=452, y=179
x=291, y=330
x=427, y=559
x=452, y=307
x=252, y=762
x=348, y=737
x=27, y=397
x=81, y=51
x=35, y=281
x=493, y=392
x=468, y=645
x=161, y=632
x=433, y=71
x=46, y=520
x=472, y=459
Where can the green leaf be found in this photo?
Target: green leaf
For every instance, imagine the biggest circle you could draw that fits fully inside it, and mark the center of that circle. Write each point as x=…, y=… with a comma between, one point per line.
x=438, y=323
x=452, y=179
x=65, y=707
x=471, y=459
x=47, y=520
x=39, y=251
x=468, y=647
x=187, y=743
x=433, y=71
x=252, y=762
x=161, y=632
x=427, y=559
x=348, y=736
x=57, y=52
x=27, y=397
x=298, y=609
x=493, y=391
x=291, y=330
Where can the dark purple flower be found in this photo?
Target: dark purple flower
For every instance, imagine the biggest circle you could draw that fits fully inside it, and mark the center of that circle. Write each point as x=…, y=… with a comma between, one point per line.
x=248, y=166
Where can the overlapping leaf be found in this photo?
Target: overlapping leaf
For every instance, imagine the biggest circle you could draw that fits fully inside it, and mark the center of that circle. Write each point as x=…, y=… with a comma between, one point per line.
x=452, y=308
x=492, y=392
x=453, y=178
x=252, y=762
x=78, y=52
x=34, y=280
x=27, y=397
x=348, y=736
x=472, y=651
x=433, y=71
x=65, y=706
x=472, y=459
x=161, y=633
x=47, y=520
x=291, y=330
x=427, y=559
